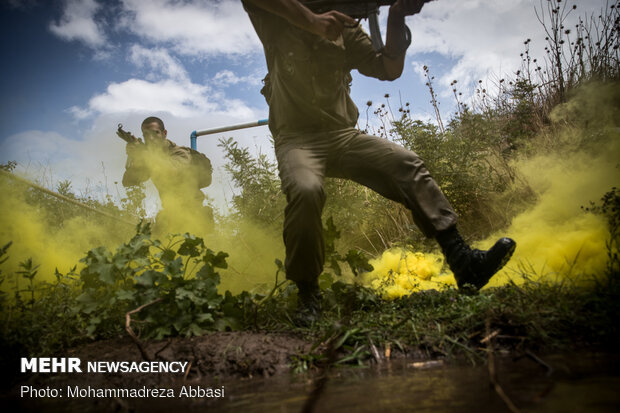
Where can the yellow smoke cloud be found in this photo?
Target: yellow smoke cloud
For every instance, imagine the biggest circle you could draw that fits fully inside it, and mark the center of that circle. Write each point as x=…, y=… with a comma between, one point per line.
x=51, y=248
x=252, y=250
x=399, y=272
x=557, y=241
x=252, y=253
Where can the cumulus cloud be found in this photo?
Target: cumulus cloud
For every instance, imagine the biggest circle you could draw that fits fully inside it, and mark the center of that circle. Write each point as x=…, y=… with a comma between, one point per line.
x=194, y=28
x=178, y=98
x=158, y=61
x=227, y=78
x=78, y=23
x=181, y=99
x=484, y=37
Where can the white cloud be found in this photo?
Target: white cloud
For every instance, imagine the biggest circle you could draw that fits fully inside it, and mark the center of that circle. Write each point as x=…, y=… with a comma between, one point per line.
x=485, y=37
x=418, y=69
x=158, y=61
x=79, y=113
x=193, y=28
x=179, y=98
x=49, y=157
x=78, y=23
x=167, y=89
x=33, y=146
x=482, y=36
x=227, y=78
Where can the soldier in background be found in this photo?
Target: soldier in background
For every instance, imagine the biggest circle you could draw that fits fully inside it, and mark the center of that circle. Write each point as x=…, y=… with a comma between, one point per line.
x=177, y=172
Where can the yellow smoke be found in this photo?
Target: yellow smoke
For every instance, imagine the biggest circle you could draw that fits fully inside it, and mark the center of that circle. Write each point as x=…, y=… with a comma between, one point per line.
x=252, y=253
x=252, y=250
x=400, y=272
x=557, y=241
x=52, y=248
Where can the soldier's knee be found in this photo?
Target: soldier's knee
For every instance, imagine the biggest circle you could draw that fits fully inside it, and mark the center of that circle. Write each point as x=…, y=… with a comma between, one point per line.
x=308, y=193
x=413, y=163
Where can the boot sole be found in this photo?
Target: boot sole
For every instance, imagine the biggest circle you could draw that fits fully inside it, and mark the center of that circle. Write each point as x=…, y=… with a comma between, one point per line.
x=507, y=257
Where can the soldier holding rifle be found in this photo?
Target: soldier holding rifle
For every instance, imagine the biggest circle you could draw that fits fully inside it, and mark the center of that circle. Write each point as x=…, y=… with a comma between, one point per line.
x=312, y=118
x=177, y=172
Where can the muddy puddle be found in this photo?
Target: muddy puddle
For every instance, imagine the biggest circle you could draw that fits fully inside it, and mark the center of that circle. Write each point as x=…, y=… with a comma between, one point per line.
x=583, y=383
x=551, y=383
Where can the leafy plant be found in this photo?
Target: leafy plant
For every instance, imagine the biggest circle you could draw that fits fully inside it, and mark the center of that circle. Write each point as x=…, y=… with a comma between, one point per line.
x=181, y=274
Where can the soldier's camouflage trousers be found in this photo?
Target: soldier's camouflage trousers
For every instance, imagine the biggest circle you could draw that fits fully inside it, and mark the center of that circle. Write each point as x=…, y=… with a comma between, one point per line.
x=304, y=160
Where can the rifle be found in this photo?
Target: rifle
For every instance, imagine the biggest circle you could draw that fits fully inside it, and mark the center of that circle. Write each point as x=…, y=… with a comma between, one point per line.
x=358, y=9
x=127, y=136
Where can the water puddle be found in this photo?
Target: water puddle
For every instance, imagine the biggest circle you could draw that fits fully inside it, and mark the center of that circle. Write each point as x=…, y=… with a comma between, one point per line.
x=567, y=383
x=559, y=383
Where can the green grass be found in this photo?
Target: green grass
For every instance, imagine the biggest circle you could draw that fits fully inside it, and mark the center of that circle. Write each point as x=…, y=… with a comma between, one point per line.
x=540, y=317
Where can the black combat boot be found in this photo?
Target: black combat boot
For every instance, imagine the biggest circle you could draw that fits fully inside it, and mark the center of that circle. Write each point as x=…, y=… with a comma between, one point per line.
x=473, y=268
x=308, y=304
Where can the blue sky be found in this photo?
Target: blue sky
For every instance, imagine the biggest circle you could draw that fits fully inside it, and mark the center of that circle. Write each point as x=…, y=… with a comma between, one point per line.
x=73, y=69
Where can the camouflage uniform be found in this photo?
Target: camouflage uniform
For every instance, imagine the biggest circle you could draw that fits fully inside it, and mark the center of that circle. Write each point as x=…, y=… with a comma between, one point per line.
x=312, y=119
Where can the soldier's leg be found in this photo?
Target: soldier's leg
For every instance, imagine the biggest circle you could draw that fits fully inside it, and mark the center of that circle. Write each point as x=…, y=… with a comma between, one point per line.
x=302, y=171
x=397, y=174
x=400, y=175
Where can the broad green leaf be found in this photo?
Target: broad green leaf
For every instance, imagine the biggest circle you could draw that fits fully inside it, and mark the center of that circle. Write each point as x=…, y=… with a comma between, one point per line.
x=190, y=246
x=125, y=295
x=149, y=278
